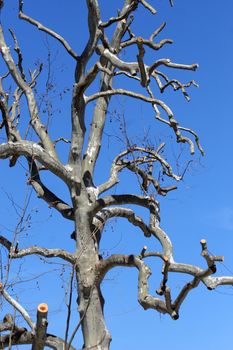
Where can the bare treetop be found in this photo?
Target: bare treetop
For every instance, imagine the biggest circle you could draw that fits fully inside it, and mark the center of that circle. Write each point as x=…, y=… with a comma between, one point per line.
x=99, y=69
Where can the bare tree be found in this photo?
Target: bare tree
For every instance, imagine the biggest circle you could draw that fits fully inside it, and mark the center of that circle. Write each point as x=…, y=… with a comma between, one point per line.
x=93, y=205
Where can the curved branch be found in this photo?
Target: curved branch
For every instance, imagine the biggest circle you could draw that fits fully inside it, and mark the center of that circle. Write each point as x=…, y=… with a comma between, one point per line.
x=35, y=151
x=41, y=190
x=151, y=156
x=18, y=307
x=153, y=228
x=201, y=274
x=168, y=63
x=146, y=300
x=121, y=199
x=46, y=30
x=102, y=216
x=176, y=128
x=44, y=193
x=147, y=179
x=146, y=42
x=53, y=201
x=126, y=11
x=130, y=94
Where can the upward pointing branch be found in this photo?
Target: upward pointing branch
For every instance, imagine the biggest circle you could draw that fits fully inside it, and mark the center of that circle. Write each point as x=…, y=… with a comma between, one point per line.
x=27, y=90
x=41, y=327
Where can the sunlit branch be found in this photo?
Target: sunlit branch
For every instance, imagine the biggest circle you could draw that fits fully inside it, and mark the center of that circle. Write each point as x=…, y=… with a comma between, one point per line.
x=18, y=307
x=104, y=215
x=153, y=227
x=32, y=104
x=21, y=336
x=124, y=199
x=168, y=63
x=130, y=94
x=172, y=122
x=46, y=30
x=47, y=253
x=119, y=163
x=98, y=120
x=126, y=11
x=146, y=300
x=35, y=151
x=19, y=53
x=148, y=7
x=15, y=253
x=41, y=327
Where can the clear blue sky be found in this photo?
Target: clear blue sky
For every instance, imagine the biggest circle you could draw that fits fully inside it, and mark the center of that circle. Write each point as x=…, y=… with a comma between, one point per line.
x=202, y=207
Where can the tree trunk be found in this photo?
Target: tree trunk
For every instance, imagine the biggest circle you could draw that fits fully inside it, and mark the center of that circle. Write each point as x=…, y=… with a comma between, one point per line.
x=95, y=333
x=90, y=300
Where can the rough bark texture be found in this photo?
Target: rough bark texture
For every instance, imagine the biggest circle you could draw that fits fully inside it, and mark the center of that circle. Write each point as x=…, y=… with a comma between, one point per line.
x=91, y=209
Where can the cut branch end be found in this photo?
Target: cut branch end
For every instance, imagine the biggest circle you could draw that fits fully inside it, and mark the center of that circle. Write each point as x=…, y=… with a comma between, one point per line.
x=203, y=244
x=43, y=308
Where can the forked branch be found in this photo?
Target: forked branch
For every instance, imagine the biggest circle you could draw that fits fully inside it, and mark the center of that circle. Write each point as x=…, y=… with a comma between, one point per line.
x=167, y=305
x=31, y=101
x=140, y=156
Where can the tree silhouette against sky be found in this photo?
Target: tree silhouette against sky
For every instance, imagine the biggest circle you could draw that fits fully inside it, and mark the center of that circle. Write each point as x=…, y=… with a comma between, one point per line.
x=116, y=62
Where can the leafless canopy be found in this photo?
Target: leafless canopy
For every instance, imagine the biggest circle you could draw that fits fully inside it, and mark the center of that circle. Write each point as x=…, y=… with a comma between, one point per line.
x=91, y=209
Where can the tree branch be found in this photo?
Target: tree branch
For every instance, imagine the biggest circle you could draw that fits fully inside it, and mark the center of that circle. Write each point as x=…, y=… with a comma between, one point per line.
x=120, y=199
x=47, y=253
x=17, y=306
x=128, y=8
x=81, y=83
x=46, y=30
x=130, y=94
x=102, y=216
x=166, y=62
x=152, y=229
x=146, y=300
x=35, y=151
x=147, y=42
x=32, y=105
x=41, y=327
x=148, y=6
x=19, y=53
x=99, y=116
x=22, y=336
x=151, y=156
x=41, y=190
x=44, y=193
